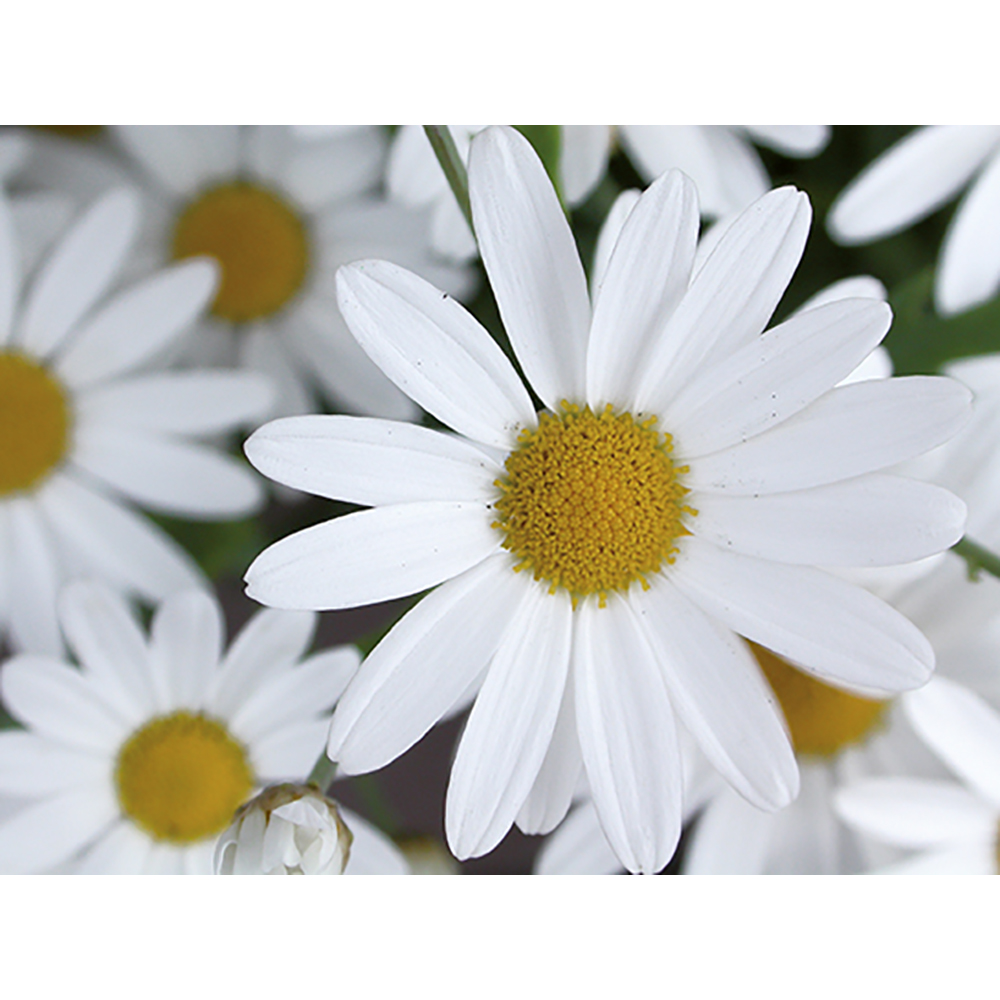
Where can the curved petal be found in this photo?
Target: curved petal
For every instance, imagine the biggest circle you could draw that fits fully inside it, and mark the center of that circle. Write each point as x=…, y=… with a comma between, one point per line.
x=611, y=229
x=78, y=272
x=578, y=847
x=262, y=351
x=731, y=837
x=372, y=852
x=791, y=140
x=435, y=351
x=288, y=753
x=511, y=724
x=321, y=171
x=646, y=276
x=873, y=520
x=372, y=555
x=35, y=767
x=584, y=158
x=426, y=662
x=169, y=153
x=717, y=690
x=372, y=462
x=627, y=736
x=122, y=850
x=909, y=181
x=532, y=262
x=742, y=177
x=839, y=632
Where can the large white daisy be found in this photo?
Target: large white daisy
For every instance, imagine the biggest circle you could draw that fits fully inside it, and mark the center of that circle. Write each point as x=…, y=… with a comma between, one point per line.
x=914, y=178
x=136, y=761
x=88, y=426
x=281, y=214
x=686, y=477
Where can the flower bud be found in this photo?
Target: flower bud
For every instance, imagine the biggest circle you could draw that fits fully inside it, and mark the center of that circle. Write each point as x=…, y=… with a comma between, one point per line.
x=286, y=830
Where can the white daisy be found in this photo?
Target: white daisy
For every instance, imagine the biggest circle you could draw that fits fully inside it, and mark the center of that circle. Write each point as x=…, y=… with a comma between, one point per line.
x=87, y=428
x=916, y=177
x=720, y=159
x=137, y=760
x=685, y=479
x=415, y=178
x=955, y=827
x=281, y=214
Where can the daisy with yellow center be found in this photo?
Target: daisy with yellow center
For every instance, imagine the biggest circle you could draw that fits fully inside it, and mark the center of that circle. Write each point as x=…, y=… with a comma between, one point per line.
x=135, y=761
x=279, y=213
x=706, y=467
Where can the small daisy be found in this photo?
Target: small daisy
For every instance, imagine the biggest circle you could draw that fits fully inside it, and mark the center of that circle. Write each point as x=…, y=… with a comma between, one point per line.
x=137, y=761
x=956, y=827
x=415, y=178
x=720, y=159
x=280, y=215
x=685, y=479
x=914, y=178
x=87, y=428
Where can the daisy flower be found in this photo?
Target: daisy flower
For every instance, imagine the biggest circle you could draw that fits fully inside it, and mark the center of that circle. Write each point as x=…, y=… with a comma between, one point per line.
x=137, y=761
x=415, y=178
x=593, y=562
x=87, y=428
x=955, y=827
x=720, y=159
x=280, y=214
x=914, y=178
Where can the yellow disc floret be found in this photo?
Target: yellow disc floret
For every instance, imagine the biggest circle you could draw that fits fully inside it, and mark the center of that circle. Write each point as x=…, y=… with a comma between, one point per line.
x=181, y=777
x=259, y=240
x=592, y=502
x=822, y=719
x=34, y=423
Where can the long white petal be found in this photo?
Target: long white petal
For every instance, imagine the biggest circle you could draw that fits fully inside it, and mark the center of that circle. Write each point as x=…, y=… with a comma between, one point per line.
x=372, y=852
x=34, y=577
x=185, y=645
x=122, y=850
x=32, y=766
x=791, y=140
x=578, y=847
x=169, y=153
x=10, y=271
x=731, y=837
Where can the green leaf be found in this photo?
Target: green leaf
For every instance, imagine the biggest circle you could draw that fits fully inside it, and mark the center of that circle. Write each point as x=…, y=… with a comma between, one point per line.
x=547, y=140
x=921, y=341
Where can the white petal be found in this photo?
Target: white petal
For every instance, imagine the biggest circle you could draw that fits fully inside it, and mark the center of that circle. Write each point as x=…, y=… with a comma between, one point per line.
x=34, y=767
x=169, y=153
x=717, y=690
x=731, y=837
x=967, y=859
x=420, y=669
x=122, y=850
x=646, y=277
x=372, y=555
x=371, y=462
x=218, y=147
x=531, y=259
x=322, y=171
x=138, y=323
x=742, y=177
x=261, y=351
x=849, y=431
x=916, y=812
x=862, y=286
x=830, y=628
x=39, y=218
x=873, y=520
x=627, y=736
x=732, y=297
x=10, y=271
x=775, y=377
x=583, y=159
x=963, y=730
x=185, y=645
x=200, y=402
x=79, y=271
x=791, y=140
x=413, y=175
x=434, y=351
x=608, y=236
x=969, y=273
x=372, y=852
x=114, y=542
x=909, y=181
x=578, y=847
x=511, y=724
x=289, y=753
x=174, y=477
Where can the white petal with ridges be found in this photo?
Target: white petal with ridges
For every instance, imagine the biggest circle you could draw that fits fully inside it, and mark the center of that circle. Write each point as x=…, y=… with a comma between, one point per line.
x=608, y=236
x=185, y=645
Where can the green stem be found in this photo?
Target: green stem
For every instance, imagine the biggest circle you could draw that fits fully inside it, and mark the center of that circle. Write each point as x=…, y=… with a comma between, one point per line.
x=454, y=169
x=977, y=558
x=322, y=773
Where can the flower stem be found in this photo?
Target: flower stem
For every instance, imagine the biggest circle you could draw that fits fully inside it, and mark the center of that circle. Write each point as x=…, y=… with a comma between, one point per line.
x=451, y=163
x=322, y=773
x=977, y=558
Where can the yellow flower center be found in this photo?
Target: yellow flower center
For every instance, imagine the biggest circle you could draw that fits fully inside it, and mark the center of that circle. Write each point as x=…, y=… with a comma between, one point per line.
x=822, y=719
x=34, y=423
x=259, y=240
x=592, y=502
x=181, y=777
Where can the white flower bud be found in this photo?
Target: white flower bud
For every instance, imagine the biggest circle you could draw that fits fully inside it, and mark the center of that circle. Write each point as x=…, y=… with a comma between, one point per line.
x=286, y=830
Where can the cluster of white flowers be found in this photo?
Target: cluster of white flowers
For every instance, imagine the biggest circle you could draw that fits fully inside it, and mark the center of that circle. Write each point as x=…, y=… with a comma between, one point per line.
x=683, y=564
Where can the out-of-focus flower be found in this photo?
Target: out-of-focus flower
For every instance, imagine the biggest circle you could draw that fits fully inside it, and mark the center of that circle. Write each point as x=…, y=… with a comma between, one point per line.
x=136, y=761
x=916, y=177
x=687, y=478
x=415, y=178
x=280, y=214
x=88, y=427
x=955, y=827
x=286, y=830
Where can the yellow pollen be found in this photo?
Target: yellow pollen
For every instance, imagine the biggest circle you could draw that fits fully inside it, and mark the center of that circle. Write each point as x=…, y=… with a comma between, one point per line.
x=259, y=240
x=181, y=777
x=822, y=719
x=592, y=502
x=34, y=423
